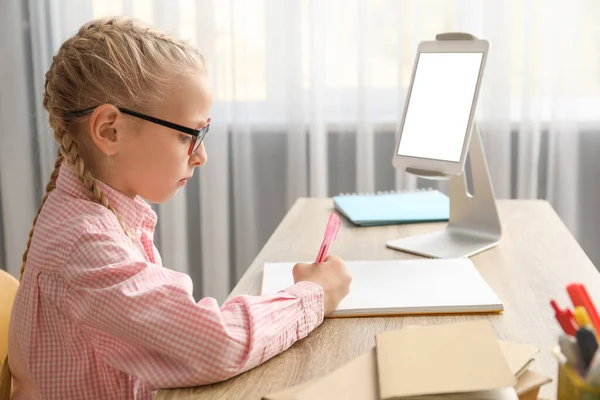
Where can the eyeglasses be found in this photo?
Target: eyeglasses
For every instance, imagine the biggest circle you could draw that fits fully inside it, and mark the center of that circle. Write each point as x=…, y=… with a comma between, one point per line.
x=197, y=134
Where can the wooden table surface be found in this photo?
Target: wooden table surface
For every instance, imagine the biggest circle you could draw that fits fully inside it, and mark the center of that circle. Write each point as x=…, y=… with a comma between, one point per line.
x=536, y=257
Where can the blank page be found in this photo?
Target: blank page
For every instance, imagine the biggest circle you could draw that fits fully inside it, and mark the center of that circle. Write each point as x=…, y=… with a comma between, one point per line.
x=395, y=287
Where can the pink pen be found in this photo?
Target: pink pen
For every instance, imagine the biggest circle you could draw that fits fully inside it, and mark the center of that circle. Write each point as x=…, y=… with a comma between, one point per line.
x=333, y=226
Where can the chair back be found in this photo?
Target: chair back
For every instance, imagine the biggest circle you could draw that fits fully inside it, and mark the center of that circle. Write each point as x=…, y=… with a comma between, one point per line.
x=8, y=290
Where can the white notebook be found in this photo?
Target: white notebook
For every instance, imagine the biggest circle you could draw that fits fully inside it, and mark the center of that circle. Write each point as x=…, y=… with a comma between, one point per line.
x=397, y=287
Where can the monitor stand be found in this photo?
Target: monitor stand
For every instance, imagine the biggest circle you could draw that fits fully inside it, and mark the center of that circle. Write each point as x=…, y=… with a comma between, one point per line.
x=474, y=225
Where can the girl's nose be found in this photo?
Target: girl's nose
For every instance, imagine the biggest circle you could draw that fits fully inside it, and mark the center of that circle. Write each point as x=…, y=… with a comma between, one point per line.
x=199, y=157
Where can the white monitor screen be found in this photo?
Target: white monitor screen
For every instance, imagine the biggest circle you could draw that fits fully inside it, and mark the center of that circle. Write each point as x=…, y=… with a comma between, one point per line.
x=439, y=106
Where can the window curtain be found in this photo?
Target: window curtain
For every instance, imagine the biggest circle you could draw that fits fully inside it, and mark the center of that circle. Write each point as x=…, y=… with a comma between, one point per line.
x=308, y=96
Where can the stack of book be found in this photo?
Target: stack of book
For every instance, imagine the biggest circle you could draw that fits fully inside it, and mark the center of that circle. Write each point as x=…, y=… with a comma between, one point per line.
x=461, y=360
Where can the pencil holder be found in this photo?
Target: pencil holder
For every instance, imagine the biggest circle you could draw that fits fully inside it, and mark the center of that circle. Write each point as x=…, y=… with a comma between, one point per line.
x=572, y=387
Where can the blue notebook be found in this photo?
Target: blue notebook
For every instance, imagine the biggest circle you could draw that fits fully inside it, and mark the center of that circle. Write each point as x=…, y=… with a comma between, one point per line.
x=394, y=208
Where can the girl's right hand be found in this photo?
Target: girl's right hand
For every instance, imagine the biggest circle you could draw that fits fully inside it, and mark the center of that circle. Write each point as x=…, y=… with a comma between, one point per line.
x=331, y=275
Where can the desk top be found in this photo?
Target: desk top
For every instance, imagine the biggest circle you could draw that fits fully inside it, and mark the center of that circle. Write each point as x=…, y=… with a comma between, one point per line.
x=536, y=257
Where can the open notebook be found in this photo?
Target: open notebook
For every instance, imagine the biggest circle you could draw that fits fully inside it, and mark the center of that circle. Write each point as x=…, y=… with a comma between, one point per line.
x=396, y=287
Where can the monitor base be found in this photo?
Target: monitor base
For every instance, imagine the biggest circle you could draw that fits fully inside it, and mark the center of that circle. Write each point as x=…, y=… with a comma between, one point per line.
x=447, y=243
x=474, y=223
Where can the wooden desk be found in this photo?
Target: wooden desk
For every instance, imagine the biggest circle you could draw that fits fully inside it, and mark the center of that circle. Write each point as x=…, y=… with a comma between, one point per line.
x=535, y=259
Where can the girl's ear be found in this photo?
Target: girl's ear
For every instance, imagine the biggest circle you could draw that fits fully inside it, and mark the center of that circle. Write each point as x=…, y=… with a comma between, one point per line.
x=104, y=129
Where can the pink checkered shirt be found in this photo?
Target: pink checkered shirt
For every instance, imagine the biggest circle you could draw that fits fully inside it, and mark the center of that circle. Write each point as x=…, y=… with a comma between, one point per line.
x=98, y=317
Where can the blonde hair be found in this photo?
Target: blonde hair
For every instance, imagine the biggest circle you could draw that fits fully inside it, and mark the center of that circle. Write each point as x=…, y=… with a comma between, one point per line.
x=118, y=61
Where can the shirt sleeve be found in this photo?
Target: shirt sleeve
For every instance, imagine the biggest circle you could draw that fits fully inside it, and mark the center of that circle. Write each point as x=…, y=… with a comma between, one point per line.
x=143, y=320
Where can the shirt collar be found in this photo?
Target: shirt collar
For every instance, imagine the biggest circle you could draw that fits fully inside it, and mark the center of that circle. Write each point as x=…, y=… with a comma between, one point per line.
x=133, y=212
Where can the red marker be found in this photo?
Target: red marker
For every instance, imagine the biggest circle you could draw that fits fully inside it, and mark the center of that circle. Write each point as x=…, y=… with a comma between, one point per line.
x=580, y=297
x=565, y=319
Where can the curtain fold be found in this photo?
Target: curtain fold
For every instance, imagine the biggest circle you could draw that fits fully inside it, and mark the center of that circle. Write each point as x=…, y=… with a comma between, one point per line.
x=17, y=157
x=365, y=154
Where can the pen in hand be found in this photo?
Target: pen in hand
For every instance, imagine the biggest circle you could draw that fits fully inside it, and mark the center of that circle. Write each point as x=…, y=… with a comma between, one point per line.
x=329, y=273
x=331, y=231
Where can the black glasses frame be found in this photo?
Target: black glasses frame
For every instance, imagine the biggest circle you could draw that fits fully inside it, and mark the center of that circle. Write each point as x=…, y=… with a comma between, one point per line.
x=198, y=134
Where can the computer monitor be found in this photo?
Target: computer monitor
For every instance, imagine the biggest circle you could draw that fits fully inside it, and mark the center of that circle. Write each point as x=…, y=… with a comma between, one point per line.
x=436, y=134
x=435, y=130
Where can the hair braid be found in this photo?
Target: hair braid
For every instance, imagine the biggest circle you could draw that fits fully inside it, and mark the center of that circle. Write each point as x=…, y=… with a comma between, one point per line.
x=49, y=188
x=70, y=151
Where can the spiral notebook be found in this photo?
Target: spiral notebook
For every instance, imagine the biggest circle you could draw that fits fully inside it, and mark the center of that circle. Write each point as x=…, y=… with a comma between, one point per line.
x=394, y=208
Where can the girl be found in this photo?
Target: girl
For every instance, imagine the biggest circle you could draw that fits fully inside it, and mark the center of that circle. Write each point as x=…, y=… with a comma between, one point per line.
x=96, y=315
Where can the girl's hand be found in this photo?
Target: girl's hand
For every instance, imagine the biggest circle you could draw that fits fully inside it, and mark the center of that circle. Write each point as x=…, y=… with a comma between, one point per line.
x=331, y=275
